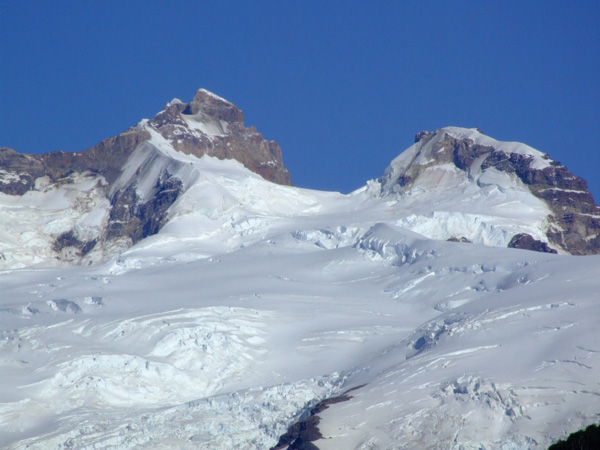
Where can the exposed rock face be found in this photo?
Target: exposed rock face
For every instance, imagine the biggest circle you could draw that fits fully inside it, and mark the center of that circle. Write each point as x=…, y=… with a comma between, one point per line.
x=106, y=158
x=213, y=126
x=462, y=239
x=208, y=125
x=301, y=434
x=528, y=242
x=574, y=222
x=132, y=217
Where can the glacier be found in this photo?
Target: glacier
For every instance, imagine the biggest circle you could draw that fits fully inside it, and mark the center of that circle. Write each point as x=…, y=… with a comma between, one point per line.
x=255, y=301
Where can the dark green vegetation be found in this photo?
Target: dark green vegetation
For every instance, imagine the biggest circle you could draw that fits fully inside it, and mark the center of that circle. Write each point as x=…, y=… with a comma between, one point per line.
x=588, y=439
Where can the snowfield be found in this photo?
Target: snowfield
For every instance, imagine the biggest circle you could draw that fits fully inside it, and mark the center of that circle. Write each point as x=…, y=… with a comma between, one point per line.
x=256, y=301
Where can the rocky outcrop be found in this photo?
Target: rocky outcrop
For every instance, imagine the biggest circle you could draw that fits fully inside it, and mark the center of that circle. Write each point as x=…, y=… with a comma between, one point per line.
x=302, y=434
x=133, y=218
x=208, y=125
x=528, y=242
x=574, y=222
x=18, y=171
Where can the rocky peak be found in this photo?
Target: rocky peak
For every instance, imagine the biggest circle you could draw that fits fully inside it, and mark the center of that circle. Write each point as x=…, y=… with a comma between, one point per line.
x=120, y=190
x=573, y=224
x=211, y=105
x=211, y=125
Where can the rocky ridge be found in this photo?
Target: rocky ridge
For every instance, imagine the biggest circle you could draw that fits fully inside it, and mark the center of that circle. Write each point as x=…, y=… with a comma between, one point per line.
x=208, y=125
x=573, y=220
x=85, y=207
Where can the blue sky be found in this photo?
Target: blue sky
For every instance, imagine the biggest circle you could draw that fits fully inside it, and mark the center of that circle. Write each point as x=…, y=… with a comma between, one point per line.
x=343, y=87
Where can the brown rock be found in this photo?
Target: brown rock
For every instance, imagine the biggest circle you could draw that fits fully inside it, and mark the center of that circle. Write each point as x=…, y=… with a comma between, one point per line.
x=208, y=125
x=228, y=138
x=575, y=219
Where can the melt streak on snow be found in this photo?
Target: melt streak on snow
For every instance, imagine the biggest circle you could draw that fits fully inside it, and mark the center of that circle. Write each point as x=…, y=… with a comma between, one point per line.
x=256, y=300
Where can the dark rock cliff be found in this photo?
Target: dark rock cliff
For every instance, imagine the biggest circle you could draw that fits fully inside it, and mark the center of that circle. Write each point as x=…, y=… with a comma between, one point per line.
x=575, y=218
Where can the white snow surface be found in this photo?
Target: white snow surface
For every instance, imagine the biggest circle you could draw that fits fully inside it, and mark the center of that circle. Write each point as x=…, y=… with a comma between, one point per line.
x=257, y=300
x=30, y=223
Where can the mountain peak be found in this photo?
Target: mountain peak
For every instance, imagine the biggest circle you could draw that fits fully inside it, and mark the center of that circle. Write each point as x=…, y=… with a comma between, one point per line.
x=540, y=160
x=462, y=165
x=210, y=125
x=208, y=104
x=121, y=189
x=202, y=93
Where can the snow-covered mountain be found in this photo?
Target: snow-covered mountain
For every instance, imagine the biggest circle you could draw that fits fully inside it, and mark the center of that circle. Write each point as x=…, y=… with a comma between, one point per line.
x=157, y=295
x=510, y=186
x=86, y=207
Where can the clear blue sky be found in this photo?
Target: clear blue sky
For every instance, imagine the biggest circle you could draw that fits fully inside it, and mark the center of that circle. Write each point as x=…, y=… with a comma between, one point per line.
x=342, y=86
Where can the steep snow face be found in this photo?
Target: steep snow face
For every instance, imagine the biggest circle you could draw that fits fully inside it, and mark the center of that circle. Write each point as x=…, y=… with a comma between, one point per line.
x=223, y=205
x=48, y=224
x=448, y=195
x=149, y=162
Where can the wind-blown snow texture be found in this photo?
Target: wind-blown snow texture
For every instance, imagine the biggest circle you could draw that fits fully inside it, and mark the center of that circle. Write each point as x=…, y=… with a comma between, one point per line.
x=257, y=300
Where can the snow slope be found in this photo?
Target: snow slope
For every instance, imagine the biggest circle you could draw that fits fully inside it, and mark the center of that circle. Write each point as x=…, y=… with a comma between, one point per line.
x=257, y=300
